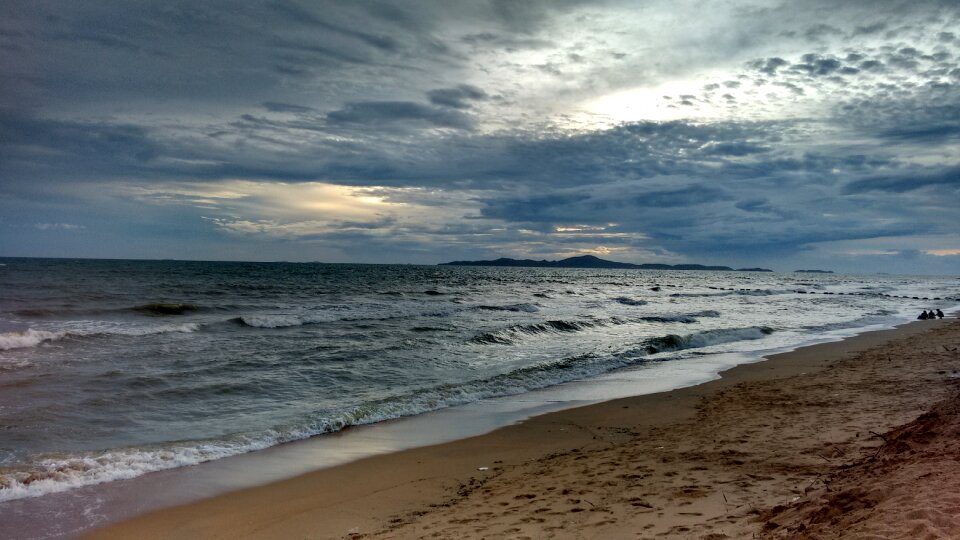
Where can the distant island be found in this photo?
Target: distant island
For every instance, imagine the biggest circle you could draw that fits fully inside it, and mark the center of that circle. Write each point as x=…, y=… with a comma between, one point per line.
x=814, y=271
x=589, y=261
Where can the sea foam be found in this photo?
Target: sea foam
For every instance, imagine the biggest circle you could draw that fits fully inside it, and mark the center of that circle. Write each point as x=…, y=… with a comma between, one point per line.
x=50, y=475
x=32, y=337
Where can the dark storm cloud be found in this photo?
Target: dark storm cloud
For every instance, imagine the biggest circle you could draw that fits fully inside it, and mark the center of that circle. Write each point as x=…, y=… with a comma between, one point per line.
x=274, y=106
x=378, y=112
x=909, y=181
x=296, y=14
x=622, y=203
x=944, y=130
x=102, y=146
x=814, y=64
x=688, y=196
x=102, y=40
x=303, y=54
x=761, y=205
x=735, y=148
x=870, y=29
x=526, y=17
x=697, y=219
x=535, y=209
x=457, y=97
x=636, y=150
x=313, y=151
x=821, y=30
x=506, y=42
x=769, y=65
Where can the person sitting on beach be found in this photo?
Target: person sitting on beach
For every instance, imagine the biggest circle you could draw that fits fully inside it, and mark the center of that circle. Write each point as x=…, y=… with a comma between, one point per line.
x=939, y=314
x=923, y=316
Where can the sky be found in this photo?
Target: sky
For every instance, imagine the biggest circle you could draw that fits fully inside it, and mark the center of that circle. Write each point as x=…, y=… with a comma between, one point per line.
x=787, y=135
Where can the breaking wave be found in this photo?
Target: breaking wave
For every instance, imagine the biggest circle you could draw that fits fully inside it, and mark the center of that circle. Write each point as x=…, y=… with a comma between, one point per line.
x=674, y=342
x=32, y=337
x=283, y=320
x=512, y=334
x=54, y=474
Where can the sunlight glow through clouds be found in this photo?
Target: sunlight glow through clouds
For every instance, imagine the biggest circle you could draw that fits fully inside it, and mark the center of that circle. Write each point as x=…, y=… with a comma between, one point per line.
x=316, y=200
x=649, y=104
x=714, y=96
x=302, y=210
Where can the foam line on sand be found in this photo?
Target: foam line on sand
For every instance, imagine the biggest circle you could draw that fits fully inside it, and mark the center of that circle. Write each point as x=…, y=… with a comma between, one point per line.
x=805, y=443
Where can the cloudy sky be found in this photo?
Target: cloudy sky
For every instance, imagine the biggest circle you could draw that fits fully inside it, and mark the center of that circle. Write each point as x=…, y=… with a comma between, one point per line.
x=794, y=134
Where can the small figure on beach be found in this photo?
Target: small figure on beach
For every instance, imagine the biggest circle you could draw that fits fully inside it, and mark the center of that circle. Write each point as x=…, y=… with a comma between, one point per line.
x=923, y=316
x=939, y=314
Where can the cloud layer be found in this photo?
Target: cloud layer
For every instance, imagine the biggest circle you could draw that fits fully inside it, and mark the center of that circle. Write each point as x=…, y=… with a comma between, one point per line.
x=429, y=131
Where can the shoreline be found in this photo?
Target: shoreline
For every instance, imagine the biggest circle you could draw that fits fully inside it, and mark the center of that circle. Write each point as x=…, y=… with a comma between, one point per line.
x=90, y=506
x=334, y=502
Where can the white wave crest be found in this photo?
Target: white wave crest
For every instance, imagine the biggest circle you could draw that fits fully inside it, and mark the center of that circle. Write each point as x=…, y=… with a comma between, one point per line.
x=285, y=320
x=148, y=330
x=27, y=338
x=57, y=474
x=52, y=475
x=61, y=474
x=32, y=337
x=673, y=342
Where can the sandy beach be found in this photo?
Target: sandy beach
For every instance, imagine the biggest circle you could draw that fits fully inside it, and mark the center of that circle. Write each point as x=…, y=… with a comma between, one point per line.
x=855, y=438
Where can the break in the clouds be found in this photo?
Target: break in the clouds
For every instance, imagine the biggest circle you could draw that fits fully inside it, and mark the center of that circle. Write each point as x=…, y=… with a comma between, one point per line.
x=787, y=135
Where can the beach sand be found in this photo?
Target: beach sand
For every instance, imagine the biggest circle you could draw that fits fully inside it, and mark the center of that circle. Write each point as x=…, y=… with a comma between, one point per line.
x=856, y=438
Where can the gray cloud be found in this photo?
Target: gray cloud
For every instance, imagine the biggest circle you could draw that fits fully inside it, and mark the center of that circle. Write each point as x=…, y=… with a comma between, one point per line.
x=274, y=106
x=770, y=65
x=297, y=14
x=87, y=148
x=870, y=28
x=508, y=42
x=806, y=132
x=457, y=97
x=687, y=196
x=909, y=181
x=378, y=112
x=814, y=64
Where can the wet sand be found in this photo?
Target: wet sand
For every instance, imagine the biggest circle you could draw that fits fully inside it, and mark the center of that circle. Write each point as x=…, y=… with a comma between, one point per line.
x=805, y=444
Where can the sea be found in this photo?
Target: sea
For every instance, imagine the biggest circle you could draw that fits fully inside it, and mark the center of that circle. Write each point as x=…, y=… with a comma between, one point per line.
x=114, y=369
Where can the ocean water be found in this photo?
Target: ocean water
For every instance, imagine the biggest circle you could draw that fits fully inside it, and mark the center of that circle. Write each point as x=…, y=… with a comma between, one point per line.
x=113, y=369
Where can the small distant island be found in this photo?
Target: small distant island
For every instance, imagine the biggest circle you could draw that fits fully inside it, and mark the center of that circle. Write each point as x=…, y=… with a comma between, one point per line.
x=589, y=261
x=814, y=271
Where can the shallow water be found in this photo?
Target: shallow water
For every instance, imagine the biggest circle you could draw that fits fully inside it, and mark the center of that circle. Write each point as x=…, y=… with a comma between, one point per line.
x=111, y=369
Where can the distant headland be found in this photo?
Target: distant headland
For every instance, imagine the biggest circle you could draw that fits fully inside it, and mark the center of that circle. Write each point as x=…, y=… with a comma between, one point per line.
x=589, y=261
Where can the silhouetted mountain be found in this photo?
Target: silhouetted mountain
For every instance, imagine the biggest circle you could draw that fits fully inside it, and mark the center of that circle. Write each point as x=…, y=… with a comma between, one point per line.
x=589, y=261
